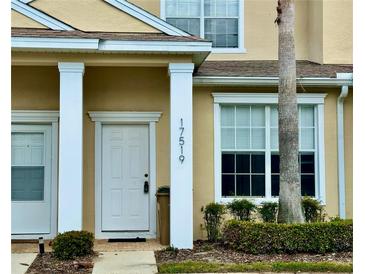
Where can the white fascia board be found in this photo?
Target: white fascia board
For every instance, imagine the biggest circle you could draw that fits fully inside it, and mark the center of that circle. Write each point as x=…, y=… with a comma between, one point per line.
x=39, y=16
x=154, y=46
x=146, y=17
x=200, y=50
x=264, y=98
x=265, y=81
x=54, y=43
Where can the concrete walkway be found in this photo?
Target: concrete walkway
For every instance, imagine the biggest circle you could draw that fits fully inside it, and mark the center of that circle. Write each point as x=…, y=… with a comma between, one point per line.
x=131, y=262
x=20, y=262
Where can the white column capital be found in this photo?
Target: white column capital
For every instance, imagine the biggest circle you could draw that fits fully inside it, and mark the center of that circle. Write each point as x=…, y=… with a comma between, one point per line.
x=181, y=68
x=71, y=67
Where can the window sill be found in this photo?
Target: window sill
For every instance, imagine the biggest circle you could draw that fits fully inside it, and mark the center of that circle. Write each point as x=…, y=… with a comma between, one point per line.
x=255, y=200
x=229, y=50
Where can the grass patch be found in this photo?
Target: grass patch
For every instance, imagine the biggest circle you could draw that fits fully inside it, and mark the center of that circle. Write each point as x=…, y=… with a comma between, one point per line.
x=202, y=267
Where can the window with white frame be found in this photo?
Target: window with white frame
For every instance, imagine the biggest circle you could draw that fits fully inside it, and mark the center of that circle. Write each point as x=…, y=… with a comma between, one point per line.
x=248, y=164
x=215, y=20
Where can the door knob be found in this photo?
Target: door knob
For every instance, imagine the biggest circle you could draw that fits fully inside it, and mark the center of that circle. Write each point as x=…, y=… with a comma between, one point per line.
x=146, y=187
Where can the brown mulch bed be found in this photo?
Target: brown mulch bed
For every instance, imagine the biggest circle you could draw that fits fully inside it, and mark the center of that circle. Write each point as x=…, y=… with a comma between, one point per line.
x=204, y=251
x=47, y=264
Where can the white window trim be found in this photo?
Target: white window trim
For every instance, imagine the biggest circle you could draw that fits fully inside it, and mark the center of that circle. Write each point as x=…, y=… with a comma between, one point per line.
x=241, y=36
x=119, y=118
x=316, y=99
x=43, y=117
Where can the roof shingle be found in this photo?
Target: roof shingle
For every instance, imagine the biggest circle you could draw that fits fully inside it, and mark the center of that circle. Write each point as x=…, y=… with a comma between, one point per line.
x=124, y=36
x=268, y=68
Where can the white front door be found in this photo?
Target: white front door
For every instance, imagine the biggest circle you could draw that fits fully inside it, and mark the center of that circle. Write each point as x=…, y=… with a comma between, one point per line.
x=30, y=179
x=125, y=165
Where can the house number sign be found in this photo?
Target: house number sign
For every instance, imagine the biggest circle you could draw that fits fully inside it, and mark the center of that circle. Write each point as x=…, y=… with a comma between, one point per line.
x=181, y=141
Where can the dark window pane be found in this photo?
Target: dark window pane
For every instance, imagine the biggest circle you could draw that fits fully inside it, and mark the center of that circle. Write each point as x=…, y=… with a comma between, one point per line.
x=227, y=163
x=275, y=183
x=258, y=163
x=258, y=185
x=243, y=163
x=308, y=185
x=307, y=163
x=275, y=163
x=228, y=185
x=27, y=183
x=243, y=185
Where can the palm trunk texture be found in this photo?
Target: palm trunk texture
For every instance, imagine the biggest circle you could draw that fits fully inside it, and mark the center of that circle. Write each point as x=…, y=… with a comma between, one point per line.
x=290, y=209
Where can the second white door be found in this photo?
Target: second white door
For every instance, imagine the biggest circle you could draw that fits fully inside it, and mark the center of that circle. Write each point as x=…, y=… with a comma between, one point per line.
x=125, y=178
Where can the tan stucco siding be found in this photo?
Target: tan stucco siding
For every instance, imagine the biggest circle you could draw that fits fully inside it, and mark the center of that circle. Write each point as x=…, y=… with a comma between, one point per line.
x=348, y=127
x=337, y=32
x=261, y=34
x=19, y=20
x=121, y=89
x=35, y=88
x=152, y=6
x=124, y=89
x=315, y=31
x=92, y=15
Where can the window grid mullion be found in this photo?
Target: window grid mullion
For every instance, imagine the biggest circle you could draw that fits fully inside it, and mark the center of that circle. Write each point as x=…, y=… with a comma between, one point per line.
x=250, y=174
x=267, y=153
x=202, y=24
x=316, y=167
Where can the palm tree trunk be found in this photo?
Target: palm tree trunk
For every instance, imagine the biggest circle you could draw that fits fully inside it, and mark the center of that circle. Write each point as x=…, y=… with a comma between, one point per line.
x=290, y=209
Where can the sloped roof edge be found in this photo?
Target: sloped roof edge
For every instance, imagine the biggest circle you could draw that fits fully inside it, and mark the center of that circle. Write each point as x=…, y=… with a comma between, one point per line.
x=39, y=16
x=147, y=17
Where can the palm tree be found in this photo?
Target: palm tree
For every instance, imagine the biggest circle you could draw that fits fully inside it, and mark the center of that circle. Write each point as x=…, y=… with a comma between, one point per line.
x=290, y=209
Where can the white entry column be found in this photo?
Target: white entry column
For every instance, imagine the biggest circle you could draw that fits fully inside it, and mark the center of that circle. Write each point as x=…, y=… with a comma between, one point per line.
x=181, y=152
x=70, y=147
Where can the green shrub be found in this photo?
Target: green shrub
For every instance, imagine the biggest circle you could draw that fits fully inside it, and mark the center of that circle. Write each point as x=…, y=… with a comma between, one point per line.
x=268, y=211
x=241, y=209
x=213, y=215
x=72, y=244
x=312, y=210
x=263, y=238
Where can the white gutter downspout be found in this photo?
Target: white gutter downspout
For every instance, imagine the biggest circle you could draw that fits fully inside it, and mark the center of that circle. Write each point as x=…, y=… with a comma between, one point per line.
x=341, y=145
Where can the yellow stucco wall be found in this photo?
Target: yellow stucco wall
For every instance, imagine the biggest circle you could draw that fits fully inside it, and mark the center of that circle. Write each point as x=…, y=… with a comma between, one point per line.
x=92, y=15
x=348, y=120
x=315, y=31
x=35, y=88
x=337, y=31
x=19, y=20
x=152, y=6
x=120, y=89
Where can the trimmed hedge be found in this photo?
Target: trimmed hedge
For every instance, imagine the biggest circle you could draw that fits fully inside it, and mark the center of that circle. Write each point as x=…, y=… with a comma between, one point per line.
x=72, y=244
x=264, y=238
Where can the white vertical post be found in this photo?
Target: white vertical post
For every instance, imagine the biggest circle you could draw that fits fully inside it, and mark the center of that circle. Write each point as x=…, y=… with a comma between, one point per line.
x=181, y=152
x=70, y=147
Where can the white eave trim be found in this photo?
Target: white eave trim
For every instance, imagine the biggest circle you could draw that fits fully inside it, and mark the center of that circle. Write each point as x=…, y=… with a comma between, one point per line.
x=265, y=81
x=34, y=116
x=199, y=50
x=265, y=98
x=124, y=116
x=146, y=17
x=109, y=45
x=38, y=16
x=54, y=43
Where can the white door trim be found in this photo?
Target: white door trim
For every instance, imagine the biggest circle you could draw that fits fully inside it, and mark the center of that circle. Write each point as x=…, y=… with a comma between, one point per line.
x=51, y=118
x=104, y=118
